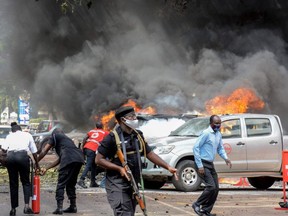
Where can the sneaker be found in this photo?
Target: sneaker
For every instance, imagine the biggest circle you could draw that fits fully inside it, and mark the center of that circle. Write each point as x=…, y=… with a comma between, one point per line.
x=81, y=183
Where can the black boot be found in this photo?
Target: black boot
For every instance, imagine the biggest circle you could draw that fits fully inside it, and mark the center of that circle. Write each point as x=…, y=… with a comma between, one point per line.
x=13, y=212
x=59, y=209
x=72, y=208
x=93, y=184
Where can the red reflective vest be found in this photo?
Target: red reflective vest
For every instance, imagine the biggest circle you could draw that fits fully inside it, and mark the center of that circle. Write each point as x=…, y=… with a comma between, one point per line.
x=95, y=136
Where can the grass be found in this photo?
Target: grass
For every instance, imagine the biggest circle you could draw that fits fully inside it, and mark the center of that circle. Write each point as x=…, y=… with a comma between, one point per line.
x=50, y=178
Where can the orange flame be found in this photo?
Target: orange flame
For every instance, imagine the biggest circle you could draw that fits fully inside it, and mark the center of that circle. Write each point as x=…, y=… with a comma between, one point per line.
x=241, y=100
x=105, y=119
x=108, y=119
x=132, y=103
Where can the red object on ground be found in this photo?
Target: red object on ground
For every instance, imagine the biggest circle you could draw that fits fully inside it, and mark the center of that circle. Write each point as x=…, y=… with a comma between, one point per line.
x=284, y=172
x=285, y=165
x=284, y=204
x=36, y=195
x=242, y=182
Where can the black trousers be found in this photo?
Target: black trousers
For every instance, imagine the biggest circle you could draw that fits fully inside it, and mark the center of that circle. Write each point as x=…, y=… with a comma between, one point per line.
x=123, y=203
x=18, y=163
x=209, y=196
x=67, y=178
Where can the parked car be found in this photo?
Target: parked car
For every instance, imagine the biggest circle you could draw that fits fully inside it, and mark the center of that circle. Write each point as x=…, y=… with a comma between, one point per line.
x=45, y=129
x=4, y=131
x=253, y=142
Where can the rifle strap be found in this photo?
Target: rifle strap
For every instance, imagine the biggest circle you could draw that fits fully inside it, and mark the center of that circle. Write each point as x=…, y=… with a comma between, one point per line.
x=118, y=144
x=140, y=170
x=123, y=146
x=117, y=140
x=142, y=142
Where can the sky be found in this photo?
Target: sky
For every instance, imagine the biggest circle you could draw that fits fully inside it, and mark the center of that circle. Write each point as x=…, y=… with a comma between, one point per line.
x=158, y=53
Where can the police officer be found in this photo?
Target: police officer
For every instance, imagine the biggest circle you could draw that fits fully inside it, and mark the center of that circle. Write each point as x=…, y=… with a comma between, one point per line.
x=18, y=144
x=70, y=160
x=118, y=188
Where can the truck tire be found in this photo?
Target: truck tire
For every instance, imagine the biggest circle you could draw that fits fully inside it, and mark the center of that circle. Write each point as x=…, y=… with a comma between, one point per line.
x=153, y=184
x=261, y=183
x=188, y=179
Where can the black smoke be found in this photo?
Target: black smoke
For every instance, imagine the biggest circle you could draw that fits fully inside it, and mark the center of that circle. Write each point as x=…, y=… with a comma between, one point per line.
x=175, y=54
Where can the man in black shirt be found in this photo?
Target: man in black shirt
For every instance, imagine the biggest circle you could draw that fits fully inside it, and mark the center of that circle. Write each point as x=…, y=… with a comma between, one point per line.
x=70, y=160
x=118, y=188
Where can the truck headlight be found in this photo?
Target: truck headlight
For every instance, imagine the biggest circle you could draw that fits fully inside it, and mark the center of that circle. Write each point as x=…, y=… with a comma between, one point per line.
x=165, y=149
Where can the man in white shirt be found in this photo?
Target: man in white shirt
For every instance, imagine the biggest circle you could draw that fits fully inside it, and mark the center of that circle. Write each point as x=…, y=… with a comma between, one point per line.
x=18, y=144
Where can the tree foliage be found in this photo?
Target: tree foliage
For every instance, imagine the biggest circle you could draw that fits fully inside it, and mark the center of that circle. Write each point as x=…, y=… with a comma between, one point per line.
x=70, y=5
x=8, y=95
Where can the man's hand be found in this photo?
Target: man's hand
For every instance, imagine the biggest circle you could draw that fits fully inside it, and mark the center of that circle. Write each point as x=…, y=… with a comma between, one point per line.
x=201, y=171
x=173, y=171
x=42, y=171
x=228, y=162
x=123, y=172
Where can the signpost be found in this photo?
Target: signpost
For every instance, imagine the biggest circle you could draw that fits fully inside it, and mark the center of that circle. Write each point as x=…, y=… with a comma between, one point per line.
x=23, y=111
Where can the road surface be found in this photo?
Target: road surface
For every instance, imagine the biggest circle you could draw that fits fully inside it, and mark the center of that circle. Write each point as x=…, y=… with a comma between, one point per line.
x=236, y=201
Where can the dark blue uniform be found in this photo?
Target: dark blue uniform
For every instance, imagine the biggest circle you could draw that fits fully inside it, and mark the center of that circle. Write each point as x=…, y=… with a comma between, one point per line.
x=71, y=160
x=118, y=188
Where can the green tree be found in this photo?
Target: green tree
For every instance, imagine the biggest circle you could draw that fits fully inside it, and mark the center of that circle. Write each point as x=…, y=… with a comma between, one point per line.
x=9, y=95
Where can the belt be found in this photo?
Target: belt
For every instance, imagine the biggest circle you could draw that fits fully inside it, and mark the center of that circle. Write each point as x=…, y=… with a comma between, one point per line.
x=207, y=162
x=17, y=151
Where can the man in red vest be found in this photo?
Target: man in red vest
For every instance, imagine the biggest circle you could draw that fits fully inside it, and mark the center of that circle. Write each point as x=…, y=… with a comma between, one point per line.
x=91, y=143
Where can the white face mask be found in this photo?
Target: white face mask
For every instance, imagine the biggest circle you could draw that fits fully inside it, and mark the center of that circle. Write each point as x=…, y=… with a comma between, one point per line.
x=132, y=123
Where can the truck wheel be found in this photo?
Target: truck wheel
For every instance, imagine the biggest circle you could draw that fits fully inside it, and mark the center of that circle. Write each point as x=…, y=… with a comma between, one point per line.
x=261, y=183
x=153, y=184
x=188, y=179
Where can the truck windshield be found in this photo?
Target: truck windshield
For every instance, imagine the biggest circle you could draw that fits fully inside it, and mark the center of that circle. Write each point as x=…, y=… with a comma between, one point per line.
x=193, y=127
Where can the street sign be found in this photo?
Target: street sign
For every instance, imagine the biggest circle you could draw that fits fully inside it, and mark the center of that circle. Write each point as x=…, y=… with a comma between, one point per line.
x=24, y=112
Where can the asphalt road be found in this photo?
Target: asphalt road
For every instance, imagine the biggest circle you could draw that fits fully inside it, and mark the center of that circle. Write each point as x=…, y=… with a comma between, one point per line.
x=236, y=201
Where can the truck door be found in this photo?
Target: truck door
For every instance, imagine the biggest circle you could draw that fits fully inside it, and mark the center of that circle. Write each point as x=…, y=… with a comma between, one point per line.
x=236, y=150
x=263, y=143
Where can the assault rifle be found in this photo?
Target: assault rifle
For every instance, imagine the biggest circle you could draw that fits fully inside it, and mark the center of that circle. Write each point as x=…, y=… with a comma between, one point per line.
x=136, y=192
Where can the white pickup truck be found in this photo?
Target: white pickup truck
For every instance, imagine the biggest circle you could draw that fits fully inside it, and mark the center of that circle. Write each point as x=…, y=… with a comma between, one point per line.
x=253, y=142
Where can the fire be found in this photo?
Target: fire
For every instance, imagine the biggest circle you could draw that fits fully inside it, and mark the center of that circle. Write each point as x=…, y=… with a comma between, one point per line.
x=132, y=103
x=108, y=119
x=105, y=119
x=241, y=100
x=138, y=109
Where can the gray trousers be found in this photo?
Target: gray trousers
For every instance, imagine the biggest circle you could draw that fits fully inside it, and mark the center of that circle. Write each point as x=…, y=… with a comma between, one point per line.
x=209, y=196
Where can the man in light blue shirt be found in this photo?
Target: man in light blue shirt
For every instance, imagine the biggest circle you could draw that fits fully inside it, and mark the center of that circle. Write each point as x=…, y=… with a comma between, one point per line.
x=207, y=145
